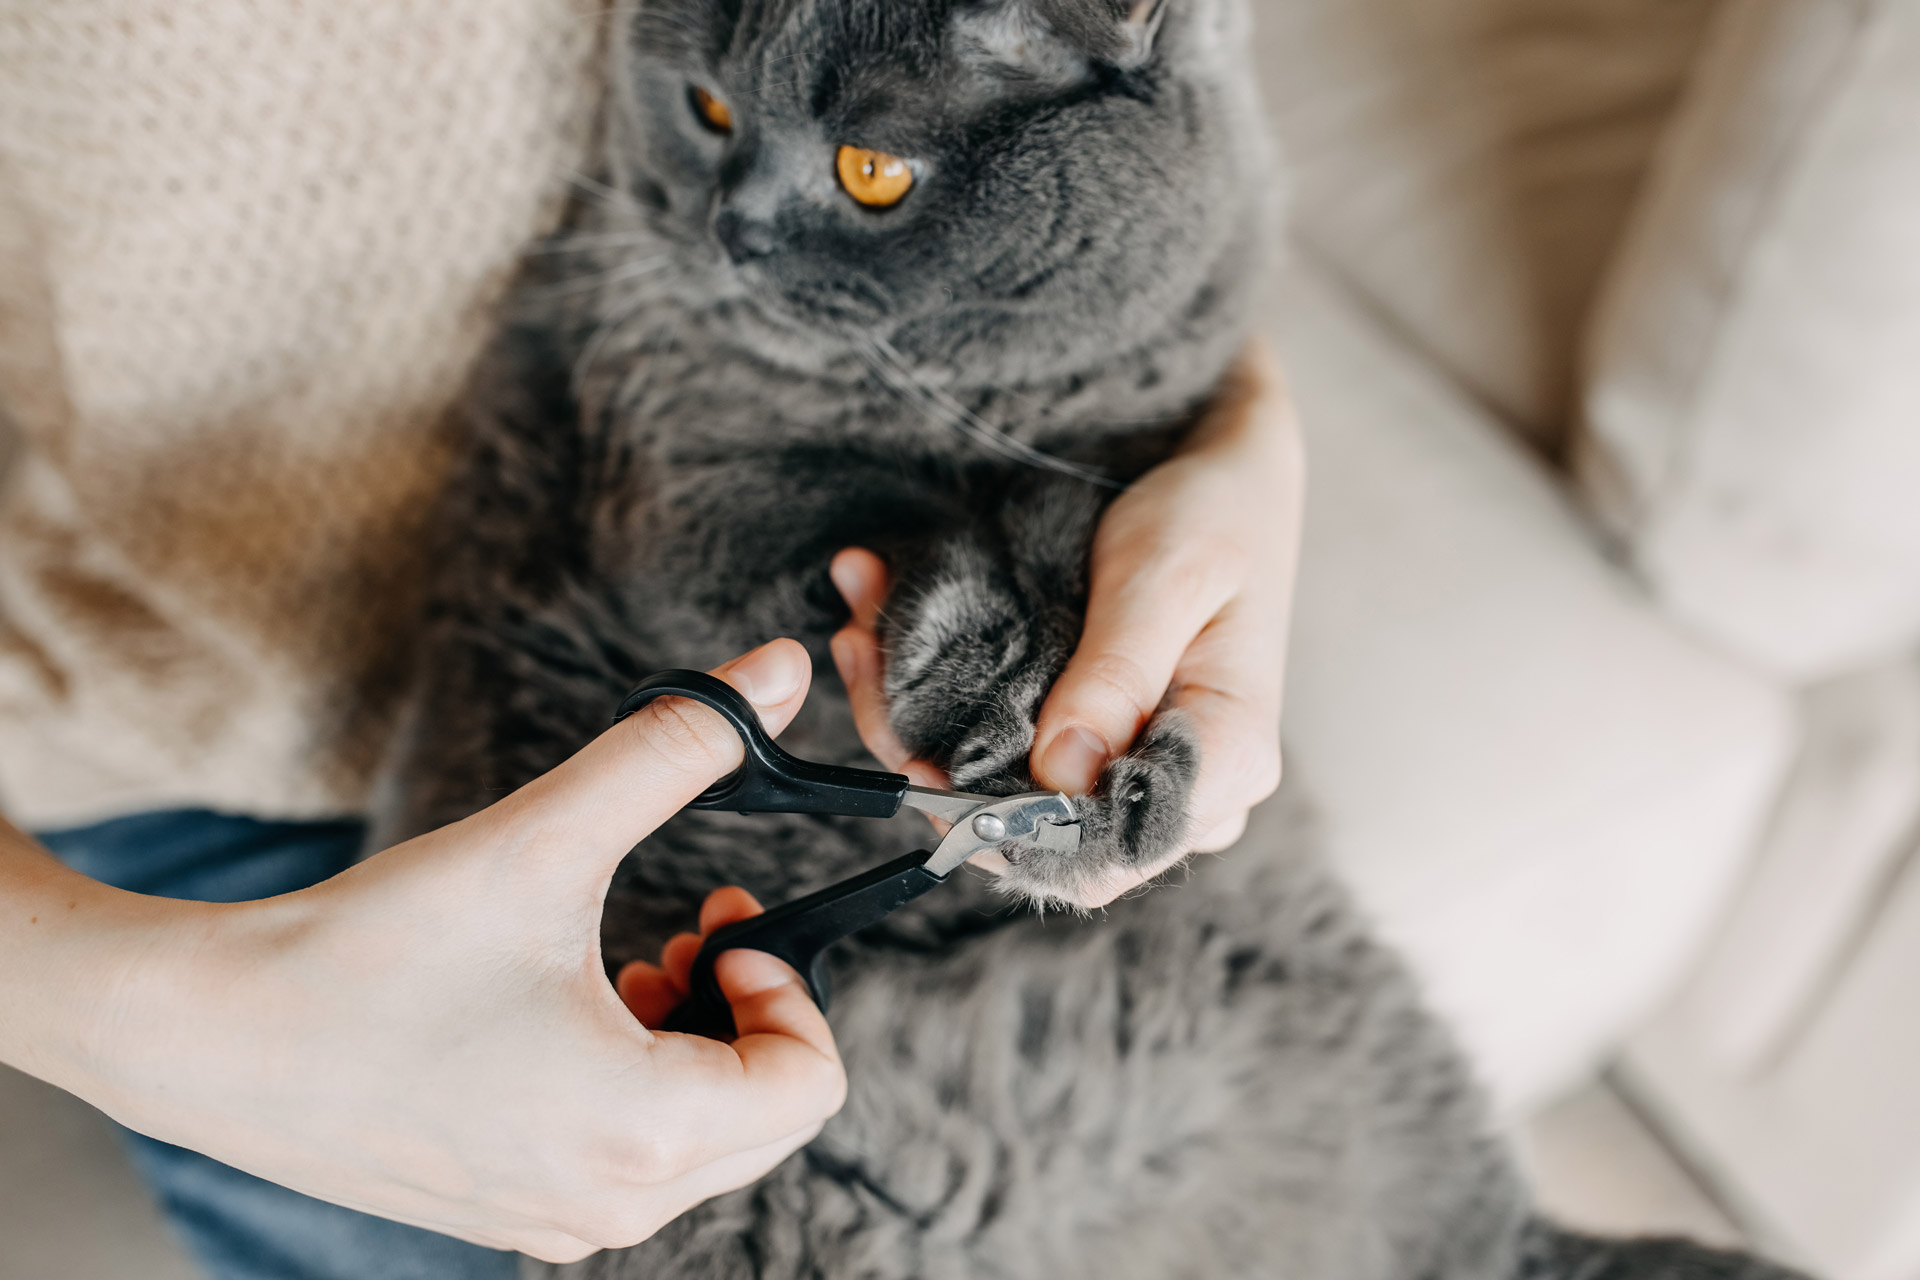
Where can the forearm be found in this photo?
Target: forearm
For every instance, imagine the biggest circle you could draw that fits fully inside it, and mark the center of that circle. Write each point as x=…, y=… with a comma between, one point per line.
x=67, y=947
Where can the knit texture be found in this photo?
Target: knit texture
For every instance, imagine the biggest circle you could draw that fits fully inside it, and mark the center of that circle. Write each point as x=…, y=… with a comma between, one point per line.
x=248, y=252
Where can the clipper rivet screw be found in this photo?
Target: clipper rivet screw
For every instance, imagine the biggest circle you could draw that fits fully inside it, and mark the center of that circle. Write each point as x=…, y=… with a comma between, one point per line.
x=990, y=826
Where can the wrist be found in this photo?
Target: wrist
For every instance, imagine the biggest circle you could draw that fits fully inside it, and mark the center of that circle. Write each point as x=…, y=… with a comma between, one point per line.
x=88, y=969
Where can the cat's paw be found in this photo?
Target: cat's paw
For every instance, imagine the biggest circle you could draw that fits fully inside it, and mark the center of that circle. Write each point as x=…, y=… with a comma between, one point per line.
x=967, y=667
x=968, y=664
x=1134, y=822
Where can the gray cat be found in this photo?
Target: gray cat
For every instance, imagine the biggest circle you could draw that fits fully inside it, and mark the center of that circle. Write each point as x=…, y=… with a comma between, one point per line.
x=934, y=278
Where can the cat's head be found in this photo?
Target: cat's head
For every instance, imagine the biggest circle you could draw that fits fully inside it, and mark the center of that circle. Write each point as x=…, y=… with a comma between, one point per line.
x=1008, y=186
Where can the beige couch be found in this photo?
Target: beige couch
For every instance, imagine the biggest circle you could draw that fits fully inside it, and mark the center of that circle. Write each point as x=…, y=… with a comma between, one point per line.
x=1605, y=318
x=1606, y=323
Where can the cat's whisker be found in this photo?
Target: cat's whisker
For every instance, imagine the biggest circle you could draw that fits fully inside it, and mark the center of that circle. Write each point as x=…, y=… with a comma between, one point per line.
x=942, y=408
x=599, y=279
x=881, y=293
x=586, y=242
x=761, y=89
x=594, y=187
x=764, y=69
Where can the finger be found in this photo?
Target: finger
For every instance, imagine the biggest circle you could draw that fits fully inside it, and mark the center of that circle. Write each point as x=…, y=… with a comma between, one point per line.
x=677, y=957
x=769, y=999
x=1141, y=616
x=1106, y=890
x=1117, y=881
x=863, y=581
x=722, y=907
x=649, y=994
x=857, y=656
x=1239, y=756
x=789, y=1072
x=781, y=1075
x=862, y=668
x=619, y=787
x=1229, y=687
x=1222, y=836
x=725, y=906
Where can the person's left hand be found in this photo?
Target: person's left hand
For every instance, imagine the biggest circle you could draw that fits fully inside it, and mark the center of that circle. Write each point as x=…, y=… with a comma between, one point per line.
x=1190, y=595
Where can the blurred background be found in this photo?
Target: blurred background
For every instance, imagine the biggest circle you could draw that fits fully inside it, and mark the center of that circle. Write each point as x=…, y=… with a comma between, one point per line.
x=1604, y=319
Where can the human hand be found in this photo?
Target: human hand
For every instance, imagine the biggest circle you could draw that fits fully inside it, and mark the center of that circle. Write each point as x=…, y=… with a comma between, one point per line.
x=653, y=991
x=1191, y=588
x=430, y=1036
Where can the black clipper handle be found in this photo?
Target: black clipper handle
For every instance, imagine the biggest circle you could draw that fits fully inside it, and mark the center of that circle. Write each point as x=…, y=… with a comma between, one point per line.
x=800, y=932
x=770, y=780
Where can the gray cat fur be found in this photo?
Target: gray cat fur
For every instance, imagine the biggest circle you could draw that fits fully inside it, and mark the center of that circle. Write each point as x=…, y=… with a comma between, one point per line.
x=723, y=372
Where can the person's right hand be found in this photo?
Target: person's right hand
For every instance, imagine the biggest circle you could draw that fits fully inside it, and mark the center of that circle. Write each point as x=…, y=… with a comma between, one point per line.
x=653, y=991
x=430, y=1036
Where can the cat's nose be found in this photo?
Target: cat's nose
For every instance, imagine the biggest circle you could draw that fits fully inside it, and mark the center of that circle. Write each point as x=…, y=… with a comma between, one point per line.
x=743, y=237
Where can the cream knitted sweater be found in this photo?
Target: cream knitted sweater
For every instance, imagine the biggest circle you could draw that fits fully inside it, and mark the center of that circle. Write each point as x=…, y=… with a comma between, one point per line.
x=247, y=251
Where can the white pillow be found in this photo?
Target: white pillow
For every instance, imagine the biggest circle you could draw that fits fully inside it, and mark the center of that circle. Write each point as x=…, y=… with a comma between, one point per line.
x=1541, y=789
x=1752, y=414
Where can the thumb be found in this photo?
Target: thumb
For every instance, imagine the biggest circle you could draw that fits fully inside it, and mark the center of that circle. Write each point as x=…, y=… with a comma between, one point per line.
x=618, y=788
x=1140, y=621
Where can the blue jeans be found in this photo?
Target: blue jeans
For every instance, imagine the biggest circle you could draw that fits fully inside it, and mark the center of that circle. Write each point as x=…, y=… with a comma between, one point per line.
x=238, y=1226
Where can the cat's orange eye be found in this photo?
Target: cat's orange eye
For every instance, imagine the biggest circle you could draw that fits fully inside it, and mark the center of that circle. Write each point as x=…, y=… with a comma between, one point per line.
x=874, y=178
x=713, y=112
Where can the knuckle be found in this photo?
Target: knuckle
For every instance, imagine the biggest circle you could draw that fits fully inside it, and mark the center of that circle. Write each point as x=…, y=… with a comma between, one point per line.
x=1115, y=677
x=613, y=1221
x=689, y=732
x=660, y=1159
x=1195, y=569
x=1207, y=563
x=642, y=1156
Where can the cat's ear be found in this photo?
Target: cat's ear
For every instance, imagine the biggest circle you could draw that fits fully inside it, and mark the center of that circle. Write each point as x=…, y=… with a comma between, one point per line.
x=1045, y=37
x=1118, y=32
x=1140, y=30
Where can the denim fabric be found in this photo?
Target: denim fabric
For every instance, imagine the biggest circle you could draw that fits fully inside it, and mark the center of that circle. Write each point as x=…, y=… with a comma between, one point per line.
x=238, y=1226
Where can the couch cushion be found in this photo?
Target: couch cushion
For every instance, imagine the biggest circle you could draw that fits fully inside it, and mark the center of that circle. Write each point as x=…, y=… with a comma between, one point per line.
x=1466, y=164
x=1541, y=789
x=1753, y=414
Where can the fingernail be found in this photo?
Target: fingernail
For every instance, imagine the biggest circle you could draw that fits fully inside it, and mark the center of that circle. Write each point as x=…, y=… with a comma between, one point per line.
x=1074, y=760
x=770, y=674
